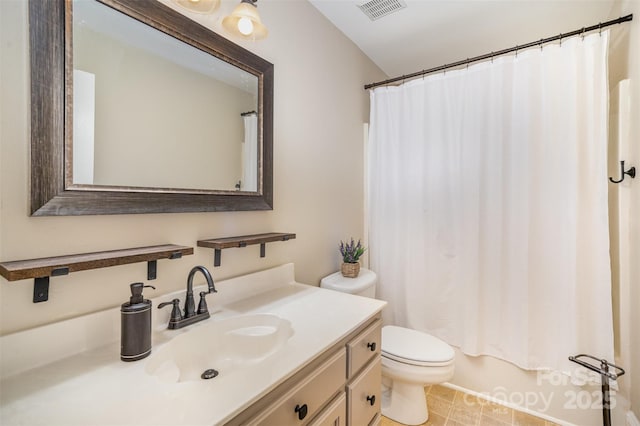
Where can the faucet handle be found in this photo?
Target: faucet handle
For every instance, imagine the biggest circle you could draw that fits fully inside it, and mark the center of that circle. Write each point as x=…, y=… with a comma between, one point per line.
x=176, y=315
x=202, y=306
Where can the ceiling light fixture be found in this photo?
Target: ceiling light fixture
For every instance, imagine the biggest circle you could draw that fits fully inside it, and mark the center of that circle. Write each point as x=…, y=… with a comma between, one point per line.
x=199, y=6
x=245, y=22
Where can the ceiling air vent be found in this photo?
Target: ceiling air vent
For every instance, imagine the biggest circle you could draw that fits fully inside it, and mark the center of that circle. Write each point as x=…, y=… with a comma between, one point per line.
x=376, y=9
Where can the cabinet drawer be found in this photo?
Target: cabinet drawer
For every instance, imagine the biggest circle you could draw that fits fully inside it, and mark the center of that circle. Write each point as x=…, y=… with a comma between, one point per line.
x=363, y=348
x=364, y=395
x=305, y=399
x=335, y=414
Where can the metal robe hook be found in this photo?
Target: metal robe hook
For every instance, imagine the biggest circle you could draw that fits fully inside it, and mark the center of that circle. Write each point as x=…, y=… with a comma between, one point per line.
x=631, y=172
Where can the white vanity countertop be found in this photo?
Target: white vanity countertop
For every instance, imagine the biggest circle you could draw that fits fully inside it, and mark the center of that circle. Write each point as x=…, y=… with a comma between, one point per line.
x=93, y=387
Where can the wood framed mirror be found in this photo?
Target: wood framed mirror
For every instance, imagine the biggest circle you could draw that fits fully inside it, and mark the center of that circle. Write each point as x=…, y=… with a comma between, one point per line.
x=60, y=187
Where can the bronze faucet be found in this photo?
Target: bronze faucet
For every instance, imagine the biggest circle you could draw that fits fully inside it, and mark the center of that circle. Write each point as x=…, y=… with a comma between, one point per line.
x=191, y=316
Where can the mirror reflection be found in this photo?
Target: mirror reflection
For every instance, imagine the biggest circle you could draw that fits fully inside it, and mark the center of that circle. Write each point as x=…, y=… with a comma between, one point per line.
x=150, y=111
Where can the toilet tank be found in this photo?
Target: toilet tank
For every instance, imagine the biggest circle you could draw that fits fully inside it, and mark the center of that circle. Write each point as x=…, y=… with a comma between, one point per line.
x=362, y=285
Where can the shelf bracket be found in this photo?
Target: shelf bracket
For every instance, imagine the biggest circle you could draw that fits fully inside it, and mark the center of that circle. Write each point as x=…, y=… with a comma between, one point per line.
x=41, y=284
x=152, y=269
x=263, y=249
x=152, y=265
x=40, y=289
x=217, y=257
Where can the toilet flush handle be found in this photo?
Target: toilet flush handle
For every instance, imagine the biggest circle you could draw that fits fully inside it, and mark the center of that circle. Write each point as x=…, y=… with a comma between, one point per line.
x=372, y=346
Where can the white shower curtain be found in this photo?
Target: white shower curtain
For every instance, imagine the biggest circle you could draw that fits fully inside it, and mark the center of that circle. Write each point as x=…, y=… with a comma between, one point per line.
x=250, y=153
x=488, y=205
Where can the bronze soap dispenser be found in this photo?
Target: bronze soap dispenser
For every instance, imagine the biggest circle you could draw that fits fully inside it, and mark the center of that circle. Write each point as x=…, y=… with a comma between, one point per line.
x=135, y=336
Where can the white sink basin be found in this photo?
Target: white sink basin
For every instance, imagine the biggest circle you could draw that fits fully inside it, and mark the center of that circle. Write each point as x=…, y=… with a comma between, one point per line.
x=224, y=346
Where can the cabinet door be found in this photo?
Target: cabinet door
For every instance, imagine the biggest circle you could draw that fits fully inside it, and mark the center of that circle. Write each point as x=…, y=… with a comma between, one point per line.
x=305, y=400
x=334, y=415
x=364, y=395
x=364, y=347
x=377, y=421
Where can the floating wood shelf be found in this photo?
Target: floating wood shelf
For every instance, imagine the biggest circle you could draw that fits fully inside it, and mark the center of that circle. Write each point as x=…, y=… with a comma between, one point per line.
x=43, y=268
x=242, y=241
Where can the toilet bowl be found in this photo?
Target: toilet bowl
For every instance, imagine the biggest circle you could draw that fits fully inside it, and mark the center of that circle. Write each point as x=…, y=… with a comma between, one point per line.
x=411, y=359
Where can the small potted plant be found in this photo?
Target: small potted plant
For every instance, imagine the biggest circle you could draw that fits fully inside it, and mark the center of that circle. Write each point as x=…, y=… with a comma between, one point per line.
x=351, y=253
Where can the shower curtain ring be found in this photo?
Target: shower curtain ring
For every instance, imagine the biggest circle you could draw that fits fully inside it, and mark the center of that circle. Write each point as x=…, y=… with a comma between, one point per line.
x=600, y=28
x=491, y=57
x=582, y=35
x=541, y=43
x=560, y=39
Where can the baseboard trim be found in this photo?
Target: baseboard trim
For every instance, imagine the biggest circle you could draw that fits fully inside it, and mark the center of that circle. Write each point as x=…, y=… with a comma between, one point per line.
x=632, y=420
x=516, y=407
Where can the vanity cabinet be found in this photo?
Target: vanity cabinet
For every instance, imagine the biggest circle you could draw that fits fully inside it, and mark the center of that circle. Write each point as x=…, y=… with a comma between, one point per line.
x=340, y=387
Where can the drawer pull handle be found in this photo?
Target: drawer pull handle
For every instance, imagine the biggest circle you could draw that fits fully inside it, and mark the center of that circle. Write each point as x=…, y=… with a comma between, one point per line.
x=371, y=399
x=372, y=346
x=302, y=411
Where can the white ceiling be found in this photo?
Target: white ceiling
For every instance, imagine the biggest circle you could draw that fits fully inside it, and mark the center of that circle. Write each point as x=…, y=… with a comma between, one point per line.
x=429, y=33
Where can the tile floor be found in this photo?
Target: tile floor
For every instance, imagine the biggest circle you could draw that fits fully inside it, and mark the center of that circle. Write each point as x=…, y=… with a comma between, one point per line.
x=448, y=407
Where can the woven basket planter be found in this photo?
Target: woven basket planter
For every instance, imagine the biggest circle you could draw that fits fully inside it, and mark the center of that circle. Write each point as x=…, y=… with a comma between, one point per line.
x=350, y=270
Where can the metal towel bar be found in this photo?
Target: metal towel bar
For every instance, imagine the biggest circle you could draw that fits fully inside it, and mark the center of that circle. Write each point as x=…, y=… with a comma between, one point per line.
x=605, y=375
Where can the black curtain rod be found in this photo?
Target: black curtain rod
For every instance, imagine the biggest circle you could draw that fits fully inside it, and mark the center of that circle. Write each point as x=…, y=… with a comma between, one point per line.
x=502, y=52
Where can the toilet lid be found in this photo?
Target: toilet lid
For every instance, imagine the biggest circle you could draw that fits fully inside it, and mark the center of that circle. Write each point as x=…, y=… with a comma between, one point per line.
x=414, y=347
x=338, y=282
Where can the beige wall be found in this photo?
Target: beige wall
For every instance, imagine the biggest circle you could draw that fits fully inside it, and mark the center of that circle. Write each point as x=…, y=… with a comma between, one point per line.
x=625, y=64
x=319, y=107
x=633, y=6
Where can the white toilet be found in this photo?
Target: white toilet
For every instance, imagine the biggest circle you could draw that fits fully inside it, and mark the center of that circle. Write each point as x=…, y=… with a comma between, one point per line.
x=410, y=359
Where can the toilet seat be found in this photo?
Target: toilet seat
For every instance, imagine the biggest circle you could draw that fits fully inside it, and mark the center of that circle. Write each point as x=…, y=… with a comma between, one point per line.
x=415, y=347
